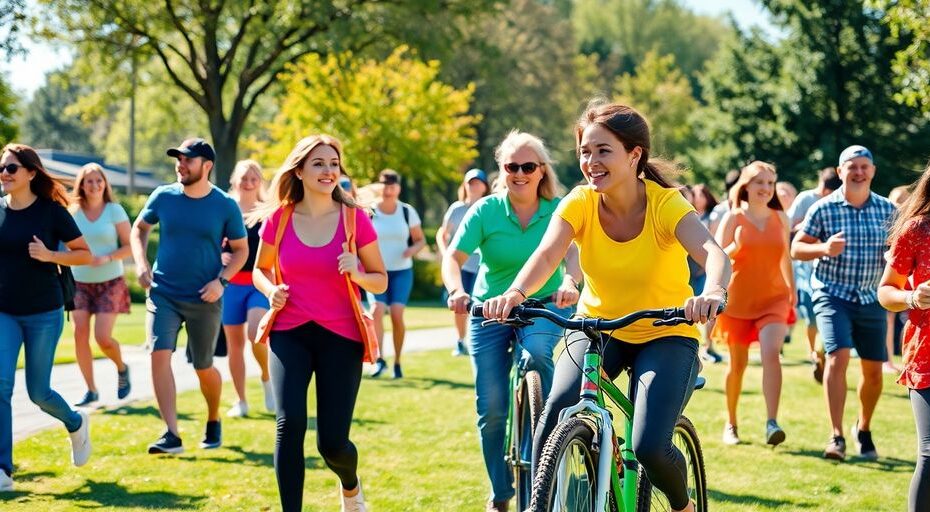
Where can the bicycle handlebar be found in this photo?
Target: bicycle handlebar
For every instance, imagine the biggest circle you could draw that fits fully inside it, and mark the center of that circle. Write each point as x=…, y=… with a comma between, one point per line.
x=664, y=317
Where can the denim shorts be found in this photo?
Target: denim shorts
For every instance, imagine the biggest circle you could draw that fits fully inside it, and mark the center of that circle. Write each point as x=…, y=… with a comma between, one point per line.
x=845, y=324
x=238, y=299
x=805, y=307
x=400, y=284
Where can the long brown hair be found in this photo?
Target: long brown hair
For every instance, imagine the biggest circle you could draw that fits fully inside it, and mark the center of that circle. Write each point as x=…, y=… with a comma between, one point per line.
x=42, y=184
x=738, y=193
x=631, y=129
x=704, y=191
x=77, y=192
x=287, y=189
x=915, y=207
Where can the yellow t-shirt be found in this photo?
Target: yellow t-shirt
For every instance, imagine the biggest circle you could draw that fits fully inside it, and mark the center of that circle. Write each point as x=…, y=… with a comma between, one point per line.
x=647, y=272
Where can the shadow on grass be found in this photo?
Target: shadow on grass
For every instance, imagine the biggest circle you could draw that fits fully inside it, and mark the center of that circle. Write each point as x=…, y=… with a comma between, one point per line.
x=257, y=459
x=884, y=464
x=112, y=495
x=750, y=499
x=148, y=410
x=29, y=476
x=427, y=383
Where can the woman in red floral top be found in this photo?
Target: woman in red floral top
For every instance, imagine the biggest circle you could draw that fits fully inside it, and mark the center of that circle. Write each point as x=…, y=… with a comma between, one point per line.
x=906, y=285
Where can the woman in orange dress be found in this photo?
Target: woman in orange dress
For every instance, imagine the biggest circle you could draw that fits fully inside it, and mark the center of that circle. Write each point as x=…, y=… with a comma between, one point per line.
x=754, y=233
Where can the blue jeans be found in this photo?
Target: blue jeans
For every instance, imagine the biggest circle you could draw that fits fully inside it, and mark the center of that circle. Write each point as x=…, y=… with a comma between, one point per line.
x=39, y=333
x=492, y=361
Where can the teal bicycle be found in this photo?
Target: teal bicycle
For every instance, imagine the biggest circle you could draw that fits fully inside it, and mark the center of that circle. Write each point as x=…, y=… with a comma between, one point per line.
x=585, y=466
x=526, y=406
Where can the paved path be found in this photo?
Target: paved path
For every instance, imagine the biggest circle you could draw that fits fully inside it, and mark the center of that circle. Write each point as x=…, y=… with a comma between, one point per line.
x=28, y=419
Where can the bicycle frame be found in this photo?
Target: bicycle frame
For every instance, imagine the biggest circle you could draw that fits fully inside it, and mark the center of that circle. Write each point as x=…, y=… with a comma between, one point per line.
x=517, y=372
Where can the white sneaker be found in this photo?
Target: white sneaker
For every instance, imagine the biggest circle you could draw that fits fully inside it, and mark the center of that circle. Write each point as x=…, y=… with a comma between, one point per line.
x=353, y=503
x=239, y=410
x=80, y=441
x=730, y=436
x=269, y=396
x=6, y=482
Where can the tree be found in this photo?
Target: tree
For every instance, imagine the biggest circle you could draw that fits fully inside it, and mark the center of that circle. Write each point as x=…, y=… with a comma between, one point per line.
x=12, y=20
x=47, y=121
x=226, y=55
x=911, y=66
x=393, y=114
x=8, y=129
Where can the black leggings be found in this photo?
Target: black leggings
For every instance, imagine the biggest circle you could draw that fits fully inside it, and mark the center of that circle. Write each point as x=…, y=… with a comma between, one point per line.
x=664, y=371
x=920, y=484
x=297, y=354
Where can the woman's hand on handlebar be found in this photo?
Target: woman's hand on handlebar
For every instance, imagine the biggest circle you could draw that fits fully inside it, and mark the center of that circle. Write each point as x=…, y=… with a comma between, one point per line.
x=458, y=302
x=703, y=308
x=498, y=308
x=567, y=294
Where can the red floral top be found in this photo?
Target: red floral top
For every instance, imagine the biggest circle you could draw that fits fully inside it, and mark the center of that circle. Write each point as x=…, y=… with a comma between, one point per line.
x=910, y=256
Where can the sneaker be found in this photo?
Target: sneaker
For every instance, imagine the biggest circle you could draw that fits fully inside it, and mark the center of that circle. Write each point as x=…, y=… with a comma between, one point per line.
x=836, y=448
x=123, y=386
x=774, y=435
x=497, y=506
x=460, y=349
x=89, y=398
x=212, y=436
x=730, y=436
x=714, y=355
x=269, y=396
x=239, y=410
x=864, y=444
x=80, y=441
x=398, y=374
x=380, y=366
x=167, y=443
x=353, y=503
x=6, y=481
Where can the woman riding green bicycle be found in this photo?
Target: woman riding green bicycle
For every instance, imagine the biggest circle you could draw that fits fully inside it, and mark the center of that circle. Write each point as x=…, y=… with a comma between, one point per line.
x=633, y=230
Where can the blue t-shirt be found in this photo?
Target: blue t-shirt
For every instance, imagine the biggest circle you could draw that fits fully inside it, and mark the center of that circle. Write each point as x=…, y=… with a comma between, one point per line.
x=192, y=233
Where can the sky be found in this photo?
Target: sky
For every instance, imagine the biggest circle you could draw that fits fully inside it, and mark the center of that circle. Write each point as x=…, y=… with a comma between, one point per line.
x=28, y=73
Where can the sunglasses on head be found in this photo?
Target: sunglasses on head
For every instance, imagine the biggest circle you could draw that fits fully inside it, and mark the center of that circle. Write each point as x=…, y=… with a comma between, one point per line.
x=10, y=168
x=527, y=167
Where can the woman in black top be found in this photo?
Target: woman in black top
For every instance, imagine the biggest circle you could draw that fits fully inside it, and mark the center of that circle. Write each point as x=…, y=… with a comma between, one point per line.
x=33, y=219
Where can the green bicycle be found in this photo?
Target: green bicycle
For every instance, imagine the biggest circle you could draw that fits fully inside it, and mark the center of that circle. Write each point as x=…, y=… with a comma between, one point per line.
x=526, y=405
x=584, y=466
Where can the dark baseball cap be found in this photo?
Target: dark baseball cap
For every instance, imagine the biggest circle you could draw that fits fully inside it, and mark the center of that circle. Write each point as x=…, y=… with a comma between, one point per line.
x=192, y=148
x=389, y=177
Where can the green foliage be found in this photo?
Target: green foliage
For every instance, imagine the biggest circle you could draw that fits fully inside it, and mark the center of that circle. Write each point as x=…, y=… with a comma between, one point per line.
x=427, y=281
x=8, y=100
x=908, y=21
x=12, y=20
x=394, y=113
x=47, y=122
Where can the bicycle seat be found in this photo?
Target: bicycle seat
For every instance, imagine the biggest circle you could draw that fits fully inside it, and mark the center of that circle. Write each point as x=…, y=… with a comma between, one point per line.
x=700, y=382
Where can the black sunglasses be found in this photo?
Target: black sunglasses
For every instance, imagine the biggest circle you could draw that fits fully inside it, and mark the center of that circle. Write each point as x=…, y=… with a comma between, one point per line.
x=10, y=168
x=527, y=168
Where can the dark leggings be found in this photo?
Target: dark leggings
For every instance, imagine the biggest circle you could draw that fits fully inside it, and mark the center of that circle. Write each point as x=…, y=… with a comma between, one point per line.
x=920, y=484
x=664, y=371
x=296, y=355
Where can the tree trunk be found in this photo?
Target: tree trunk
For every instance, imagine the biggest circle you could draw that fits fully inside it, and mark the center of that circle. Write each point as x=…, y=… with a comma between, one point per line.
x=226, y=145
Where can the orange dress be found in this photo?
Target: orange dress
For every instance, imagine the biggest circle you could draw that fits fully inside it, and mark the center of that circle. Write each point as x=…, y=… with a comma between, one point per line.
x=758, y=294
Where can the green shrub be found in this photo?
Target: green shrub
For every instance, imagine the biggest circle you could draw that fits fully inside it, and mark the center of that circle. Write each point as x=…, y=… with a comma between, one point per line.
x=136, y=292
x=427, y=281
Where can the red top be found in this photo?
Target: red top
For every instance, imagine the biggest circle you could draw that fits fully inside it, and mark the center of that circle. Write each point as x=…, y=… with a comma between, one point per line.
x=910, y=256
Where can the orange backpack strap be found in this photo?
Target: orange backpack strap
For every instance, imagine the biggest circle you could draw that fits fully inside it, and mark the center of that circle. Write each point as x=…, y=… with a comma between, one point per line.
x=278, y=236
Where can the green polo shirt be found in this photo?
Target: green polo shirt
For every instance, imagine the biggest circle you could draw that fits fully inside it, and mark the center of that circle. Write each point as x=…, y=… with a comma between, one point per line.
x=492, y=229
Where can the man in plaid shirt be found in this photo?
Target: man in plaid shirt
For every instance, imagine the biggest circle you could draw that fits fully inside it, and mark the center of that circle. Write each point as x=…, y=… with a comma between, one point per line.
x=845, y=234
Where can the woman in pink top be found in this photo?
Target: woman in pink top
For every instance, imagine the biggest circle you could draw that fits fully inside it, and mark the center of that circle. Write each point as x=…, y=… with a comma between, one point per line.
x=315, y=332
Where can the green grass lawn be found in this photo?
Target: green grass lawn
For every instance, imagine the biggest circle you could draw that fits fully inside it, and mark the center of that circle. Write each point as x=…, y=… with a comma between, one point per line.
x=130, y=329
x=419, y=452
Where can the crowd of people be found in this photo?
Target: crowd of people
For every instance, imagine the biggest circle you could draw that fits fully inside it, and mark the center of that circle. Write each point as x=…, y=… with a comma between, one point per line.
x=283, y=268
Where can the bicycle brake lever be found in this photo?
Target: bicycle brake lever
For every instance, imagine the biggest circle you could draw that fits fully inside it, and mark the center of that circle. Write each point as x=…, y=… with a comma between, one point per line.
x=515, y=322
x=672, y=321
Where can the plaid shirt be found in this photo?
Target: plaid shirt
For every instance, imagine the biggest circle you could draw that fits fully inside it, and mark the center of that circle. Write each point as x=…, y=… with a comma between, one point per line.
x=854, y=274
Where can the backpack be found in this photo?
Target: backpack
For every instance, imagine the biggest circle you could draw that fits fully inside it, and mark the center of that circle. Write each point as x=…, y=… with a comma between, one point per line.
x=405, y=207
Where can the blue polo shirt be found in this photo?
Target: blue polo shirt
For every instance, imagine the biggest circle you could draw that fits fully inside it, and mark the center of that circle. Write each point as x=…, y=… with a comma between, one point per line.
x=191, y=239
x=853, y=275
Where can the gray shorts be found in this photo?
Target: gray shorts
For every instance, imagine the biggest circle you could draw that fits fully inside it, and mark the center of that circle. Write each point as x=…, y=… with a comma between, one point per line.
x=163, y=319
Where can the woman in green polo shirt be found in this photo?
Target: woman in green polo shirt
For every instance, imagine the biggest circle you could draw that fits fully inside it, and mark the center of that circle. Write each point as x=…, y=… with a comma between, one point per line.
x=504, y=228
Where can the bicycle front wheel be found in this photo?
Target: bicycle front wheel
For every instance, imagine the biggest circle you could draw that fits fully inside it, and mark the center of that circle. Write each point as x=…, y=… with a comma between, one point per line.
x=685, y=438
x=529, y=409
x=566, y=478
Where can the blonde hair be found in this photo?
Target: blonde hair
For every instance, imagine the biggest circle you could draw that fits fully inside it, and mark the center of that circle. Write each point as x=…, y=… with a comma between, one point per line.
x=899, y=195
x=738, y=193
x=242, y=168
x=78, y=197
x=549, y=187
x=287, y=189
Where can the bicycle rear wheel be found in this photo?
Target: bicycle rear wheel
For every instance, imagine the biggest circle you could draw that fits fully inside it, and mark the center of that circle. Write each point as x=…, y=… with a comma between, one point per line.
x=529, y=410
x=566, y=478
x=685, y=438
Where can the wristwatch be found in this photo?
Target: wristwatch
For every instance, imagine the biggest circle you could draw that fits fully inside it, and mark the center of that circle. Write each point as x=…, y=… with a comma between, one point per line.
x=223, y=281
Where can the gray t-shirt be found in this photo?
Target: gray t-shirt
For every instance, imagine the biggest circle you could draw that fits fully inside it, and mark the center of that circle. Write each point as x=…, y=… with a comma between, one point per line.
x=451, y=221
x=801, y=205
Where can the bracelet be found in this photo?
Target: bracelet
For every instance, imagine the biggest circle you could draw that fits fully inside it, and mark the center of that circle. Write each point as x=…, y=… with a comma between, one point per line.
x=518, y=290
x=575, y=283
x=452, y=291
x=909, y=301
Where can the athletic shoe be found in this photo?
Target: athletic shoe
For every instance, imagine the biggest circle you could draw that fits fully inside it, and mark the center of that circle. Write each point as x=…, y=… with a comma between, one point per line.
x=380, y=367
x=353, y=503
x=239, y=410
x=712, y=356
x=123, y=386
x=80, y=441
x=864, y=443
x=89, y=398
x=168, y=443
x=269, y=396
x=836, y=448
x=460, y=349
x=730, y=436
x=774, y=435
x=398, y=374
x=6, y=481
x=212, y=436
x=497, y=506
